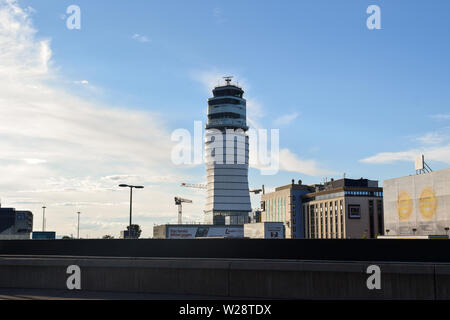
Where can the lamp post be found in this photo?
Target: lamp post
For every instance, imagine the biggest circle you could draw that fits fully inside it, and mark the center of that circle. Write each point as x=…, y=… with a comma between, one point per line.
x=78, y=229
x=43, y=218
x=131, y=202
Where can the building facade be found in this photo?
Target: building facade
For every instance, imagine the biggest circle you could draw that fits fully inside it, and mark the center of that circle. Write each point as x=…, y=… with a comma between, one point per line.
x=285, y=205
x=418, y=204
x=15, y=224
x=344, y=209
x=227, y=155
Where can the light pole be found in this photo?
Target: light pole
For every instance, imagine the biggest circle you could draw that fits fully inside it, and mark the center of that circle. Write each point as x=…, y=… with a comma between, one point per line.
x=78, y=229
x=43, y=218
x=131, y=202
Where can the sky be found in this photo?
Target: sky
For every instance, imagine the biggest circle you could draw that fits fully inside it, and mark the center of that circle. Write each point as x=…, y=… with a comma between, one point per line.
x=83, y=110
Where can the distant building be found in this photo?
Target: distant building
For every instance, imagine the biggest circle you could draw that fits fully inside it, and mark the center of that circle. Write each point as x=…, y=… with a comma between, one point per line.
x=264, y=230
x=255, y=216
x=418, y=204
x=15, y=224
x=44, y=235
x=285, y=205
x=344, y=208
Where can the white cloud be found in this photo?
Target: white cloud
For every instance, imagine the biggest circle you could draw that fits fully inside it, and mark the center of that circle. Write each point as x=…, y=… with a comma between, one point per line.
x=34, y=161
x=83, y=82
x=285, y=119
x=431, y=138
x=290, y=162
x=438, y=153
x=443, y=116
x=56, y=146
x=140, y=38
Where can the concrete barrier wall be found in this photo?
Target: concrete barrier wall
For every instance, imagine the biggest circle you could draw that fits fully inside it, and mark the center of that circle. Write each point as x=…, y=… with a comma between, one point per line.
x=432, y=251
x=237, y=278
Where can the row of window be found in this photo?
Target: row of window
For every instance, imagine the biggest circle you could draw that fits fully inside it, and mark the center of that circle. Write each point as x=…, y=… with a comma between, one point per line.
x=216, y=102
x=225, y=115
x=364, y=193
x=325, y=219
x=276, y=210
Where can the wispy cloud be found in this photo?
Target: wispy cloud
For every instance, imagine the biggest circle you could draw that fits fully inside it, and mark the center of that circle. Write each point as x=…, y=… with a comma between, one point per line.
x=439, y=153
x=442, y=116
x=58, y=148
x=83, y=82
x=431, y=138
x=140, y=38
x=434, y=145
x=286, y=119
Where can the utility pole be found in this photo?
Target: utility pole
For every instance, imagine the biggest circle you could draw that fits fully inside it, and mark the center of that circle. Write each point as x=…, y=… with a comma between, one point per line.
x=43, y=218
x=78, y=229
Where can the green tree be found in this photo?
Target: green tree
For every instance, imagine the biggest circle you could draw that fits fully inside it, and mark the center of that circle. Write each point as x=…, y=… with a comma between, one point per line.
x=135, y=231
x=107, y=237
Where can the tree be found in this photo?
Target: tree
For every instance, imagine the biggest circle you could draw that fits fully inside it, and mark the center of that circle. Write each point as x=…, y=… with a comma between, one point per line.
x=107, y=237
x=66, y=238
x=135, y=231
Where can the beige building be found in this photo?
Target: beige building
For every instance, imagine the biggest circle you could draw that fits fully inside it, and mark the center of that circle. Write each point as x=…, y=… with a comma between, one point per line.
x=418, y=204
x=285, y=205
x=344, y=209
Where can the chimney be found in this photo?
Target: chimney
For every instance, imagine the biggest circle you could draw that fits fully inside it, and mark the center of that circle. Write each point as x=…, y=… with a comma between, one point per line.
x=293, y=181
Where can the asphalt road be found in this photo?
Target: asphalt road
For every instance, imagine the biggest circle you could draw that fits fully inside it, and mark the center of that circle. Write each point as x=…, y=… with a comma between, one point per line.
x=47, y=294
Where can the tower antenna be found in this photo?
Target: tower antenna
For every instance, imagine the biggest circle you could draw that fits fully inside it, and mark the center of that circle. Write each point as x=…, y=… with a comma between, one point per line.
x=228, y=80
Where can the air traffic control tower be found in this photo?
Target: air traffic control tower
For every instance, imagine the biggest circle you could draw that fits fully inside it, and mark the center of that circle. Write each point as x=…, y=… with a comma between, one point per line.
x=227, y=155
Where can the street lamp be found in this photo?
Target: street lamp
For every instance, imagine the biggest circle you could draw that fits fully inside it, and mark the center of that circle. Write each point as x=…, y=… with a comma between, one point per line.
x=43, y=218
x=78, y=229
x=131, y=202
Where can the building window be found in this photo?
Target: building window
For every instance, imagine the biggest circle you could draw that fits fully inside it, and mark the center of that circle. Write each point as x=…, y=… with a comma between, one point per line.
x=354, y=211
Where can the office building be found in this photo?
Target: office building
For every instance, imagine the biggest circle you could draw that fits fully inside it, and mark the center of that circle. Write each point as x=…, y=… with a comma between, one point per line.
x=15, y=224
x=285, y=205
x=227, y=154
x=418, y=204
x=343, y=209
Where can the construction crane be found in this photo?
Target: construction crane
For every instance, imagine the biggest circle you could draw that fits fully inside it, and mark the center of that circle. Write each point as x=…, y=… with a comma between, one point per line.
x=178, y=202
x=195, y=186
x=203, y=186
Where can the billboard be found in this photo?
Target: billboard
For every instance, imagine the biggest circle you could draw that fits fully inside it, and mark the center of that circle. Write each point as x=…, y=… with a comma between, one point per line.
x=417, y=204
x=192, y=232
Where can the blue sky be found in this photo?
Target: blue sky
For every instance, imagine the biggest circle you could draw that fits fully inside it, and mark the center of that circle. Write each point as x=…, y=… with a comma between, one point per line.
x=346, y=99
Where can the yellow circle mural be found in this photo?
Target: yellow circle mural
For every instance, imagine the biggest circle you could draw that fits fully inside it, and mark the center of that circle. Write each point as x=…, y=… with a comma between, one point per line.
x=427, y=203
x=404, y=205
